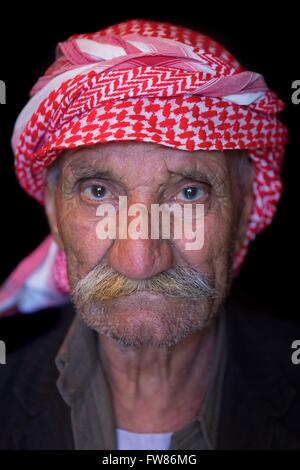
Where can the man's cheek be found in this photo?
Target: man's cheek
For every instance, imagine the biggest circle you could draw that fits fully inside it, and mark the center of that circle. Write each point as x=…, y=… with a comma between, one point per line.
x=212, y=258
x=83, y=248
x=218, y=236
x=199, y=251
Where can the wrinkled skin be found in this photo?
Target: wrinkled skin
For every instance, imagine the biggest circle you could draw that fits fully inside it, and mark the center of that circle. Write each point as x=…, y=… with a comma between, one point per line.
x=148, y=173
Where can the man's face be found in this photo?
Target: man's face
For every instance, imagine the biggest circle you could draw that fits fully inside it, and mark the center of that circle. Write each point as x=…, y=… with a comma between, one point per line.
x=146, y=174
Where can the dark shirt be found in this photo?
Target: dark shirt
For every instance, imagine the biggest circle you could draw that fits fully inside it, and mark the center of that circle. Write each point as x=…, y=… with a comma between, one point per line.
x=83, y=386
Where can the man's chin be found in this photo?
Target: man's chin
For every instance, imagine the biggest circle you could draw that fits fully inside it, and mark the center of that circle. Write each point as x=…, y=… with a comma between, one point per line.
x=146, y=319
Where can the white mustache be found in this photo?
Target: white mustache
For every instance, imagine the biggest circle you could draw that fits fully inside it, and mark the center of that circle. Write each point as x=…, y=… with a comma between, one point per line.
x=104, y=283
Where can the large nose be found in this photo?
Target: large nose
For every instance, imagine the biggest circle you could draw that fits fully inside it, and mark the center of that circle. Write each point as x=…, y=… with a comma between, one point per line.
x=140, y=258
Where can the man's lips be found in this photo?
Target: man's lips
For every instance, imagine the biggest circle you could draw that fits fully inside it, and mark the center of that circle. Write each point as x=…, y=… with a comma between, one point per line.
x=145, y=298
x=142, y=294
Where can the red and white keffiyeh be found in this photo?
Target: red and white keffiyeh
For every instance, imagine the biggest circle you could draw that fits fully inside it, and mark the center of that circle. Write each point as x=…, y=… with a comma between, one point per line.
x=142, y=81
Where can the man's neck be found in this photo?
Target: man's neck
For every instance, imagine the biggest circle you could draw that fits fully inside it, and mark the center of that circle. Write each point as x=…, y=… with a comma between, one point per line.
x=155, y=389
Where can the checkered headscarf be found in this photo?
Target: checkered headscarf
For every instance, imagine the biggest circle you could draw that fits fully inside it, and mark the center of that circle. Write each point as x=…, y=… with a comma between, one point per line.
x=151, y=82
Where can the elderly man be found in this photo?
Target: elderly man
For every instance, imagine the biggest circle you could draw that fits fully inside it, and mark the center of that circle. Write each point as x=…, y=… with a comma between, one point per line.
x=157, y=355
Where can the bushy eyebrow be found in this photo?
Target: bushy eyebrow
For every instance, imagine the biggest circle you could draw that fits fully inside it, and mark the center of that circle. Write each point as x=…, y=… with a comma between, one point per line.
x=196, y=175
x=91, y=172
x=84, y=170
x=208, y=177
x=81, y=172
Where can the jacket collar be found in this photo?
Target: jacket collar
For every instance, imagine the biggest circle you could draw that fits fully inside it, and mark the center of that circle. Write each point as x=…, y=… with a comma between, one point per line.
x=256, y=395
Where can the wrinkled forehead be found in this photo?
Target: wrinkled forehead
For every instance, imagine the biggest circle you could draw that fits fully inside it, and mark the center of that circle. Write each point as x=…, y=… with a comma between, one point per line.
x=144, y=160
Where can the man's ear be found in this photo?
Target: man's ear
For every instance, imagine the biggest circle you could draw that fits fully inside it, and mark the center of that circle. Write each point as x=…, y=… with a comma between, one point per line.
x=51, y=212
x=245, y=201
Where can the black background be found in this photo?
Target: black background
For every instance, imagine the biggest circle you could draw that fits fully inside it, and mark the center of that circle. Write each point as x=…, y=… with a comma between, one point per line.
x=264, y=40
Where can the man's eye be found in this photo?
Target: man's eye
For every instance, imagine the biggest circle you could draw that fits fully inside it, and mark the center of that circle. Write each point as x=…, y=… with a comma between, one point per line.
x=95, y=192
x=191, y=193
